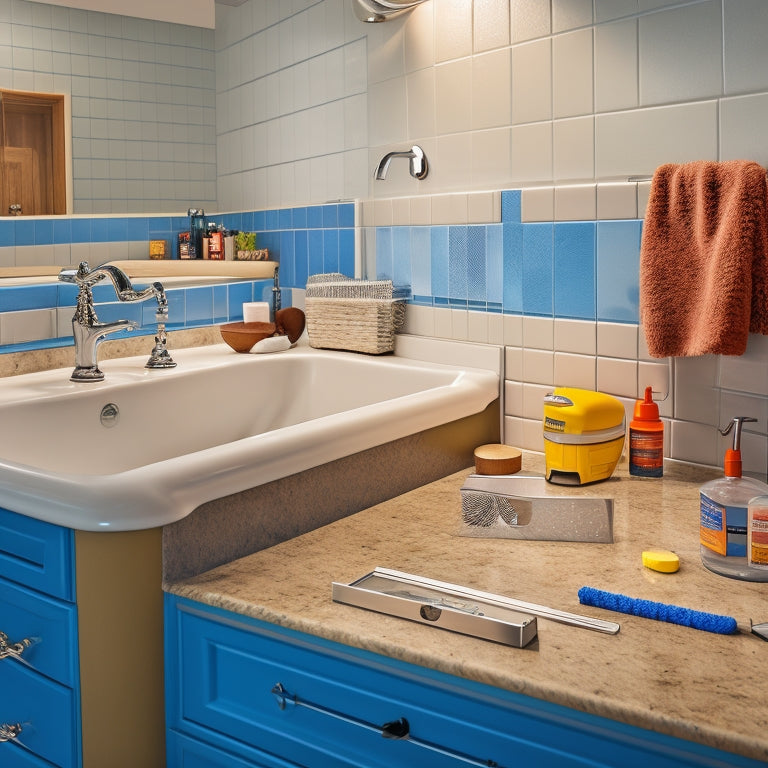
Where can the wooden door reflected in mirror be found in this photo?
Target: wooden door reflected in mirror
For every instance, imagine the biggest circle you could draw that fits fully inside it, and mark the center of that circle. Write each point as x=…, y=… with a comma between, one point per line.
x=32, y=154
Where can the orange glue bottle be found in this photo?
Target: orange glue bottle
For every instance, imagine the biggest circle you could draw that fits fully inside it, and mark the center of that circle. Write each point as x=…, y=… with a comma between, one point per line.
x=646, y=439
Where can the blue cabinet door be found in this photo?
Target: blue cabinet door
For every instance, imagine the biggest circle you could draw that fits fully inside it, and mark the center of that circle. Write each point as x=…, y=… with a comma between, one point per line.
x=51, y=626
x=37, y=555
x=46, y=711
x=238, y=683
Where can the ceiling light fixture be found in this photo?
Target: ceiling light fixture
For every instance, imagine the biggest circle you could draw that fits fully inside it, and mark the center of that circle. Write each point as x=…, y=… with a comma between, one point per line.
x=372, y=11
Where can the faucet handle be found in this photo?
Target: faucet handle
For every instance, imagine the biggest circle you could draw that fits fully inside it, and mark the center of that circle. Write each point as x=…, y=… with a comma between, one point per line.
x=83, y=276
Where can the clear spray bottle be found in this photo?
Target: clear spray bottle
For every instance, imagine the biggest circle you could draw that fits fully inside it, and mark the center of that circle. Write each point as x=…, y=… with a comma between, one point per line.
x=723, y=514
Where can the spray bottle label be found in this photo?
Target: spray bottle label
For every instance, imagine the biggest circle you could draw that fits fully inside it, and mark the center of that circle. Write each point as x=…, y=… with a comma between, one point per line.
x=723, y=529
x=757, y=533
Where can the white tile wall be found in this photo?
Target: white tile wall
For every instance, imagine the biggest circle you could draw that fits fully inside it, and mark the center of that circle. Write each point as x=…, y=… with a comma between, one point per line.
x=565, y=98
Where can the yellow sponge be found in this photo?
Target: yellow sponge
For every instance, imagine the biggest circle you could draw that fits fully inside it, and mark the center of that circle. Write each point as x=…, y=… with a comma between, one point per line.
x=661, y=560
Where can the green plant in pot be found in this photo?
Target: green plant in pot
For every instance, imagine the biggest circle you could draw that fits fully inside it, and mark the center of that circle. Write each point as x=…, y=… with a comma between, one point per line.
x=245, y=247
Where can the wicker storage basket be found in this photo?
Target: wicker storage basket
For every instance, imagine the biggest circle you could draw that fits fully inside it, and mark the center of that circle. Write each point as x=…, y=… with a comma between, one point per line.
x=352, y=315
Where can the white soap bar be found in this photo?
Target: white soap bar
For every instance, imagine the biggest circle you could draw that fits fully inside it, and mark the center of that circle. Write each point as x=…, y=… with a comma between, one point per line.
x=256, y=312
x=272, y=344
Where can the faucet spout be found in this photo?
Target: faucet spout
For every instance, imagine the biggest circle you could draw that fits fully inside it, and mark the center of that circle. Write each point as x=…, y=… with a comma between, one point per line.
x=87, y=340
x=418, y=165
x=88, y=332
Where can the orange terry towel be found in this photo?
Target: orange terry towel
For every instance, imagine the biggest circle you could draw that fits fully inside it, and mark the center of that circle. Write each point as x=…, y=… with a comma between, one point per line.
x=704, y=258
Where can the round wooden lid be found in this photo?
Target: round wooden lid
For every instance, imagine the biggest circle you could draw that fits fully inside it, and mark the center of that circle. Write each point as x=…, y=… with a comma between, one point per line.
x=497, y=459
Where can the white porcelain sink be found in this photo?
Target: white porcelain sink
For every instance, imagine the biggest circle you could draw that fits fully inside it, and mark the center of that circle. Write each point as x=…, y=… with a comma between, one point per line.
x=218, y=424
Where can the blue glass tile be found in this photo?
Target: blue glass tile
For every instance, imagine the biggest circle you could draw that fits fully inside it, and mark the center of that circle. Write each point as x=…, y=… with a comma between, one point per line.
x=330, y=216
x=347, y=252
x=270, y=241
x=137, y=228
x=401, y=255
x=618, y=270
x=299, y=218
x=476, y=278
x=25, y=232
x=575, y=270
x=421, y=261
x=234, y=221
x=422, y=301
x=494, y=263
x=457, y=262
x=330, y=250
x=347, y=215
x=510, y=206
x=220, y=304
x=66, y=295
x=199, y=304
x=239, y=294
x=263, y=292
x=494, y=308
x=440, y=301
x=315, y=248
x=287, y=257
x=285, y=218
x=157, y=225
x=62, y=231
x=384, y=255
x=81, y=230
x=117, y=230
x=176, y=307
x=537, y=269
x=439, y=262
x=301, y=258
x=99, y=230
x=272, y=220
x=457, y=303
x=314, y=217
x=8, y=231
x=44, y=232
x=20, y=297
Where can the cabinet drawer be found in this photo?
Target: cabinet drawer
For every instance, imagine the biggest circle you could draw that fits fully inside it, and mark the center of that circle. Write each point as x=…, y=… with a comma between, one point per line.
x=46, y=711
x=222, y=669
x=37, y=554
x=185, y=752
x=25, y=615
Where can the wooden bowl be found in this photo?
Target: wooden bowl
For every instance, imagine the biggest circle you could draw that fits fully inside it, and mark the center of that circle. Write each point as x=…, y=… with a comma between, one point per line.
x=243, y=336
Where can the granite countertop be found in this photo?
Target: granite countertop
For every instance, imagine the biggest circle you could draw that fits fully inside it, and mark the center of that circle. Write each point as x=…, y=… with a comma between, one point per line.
x=676, y=680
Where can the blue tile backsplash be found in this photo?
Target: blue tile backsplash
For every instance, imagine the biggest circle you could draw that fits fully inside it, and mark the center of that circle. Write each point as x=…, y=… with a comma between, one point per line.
x=544, y=269
x=584, y=270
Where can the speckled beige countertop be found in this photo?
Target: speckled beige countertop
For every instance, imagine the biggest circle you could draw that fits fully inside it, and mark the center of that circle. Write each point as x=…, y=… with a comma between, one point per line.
x=672, y=679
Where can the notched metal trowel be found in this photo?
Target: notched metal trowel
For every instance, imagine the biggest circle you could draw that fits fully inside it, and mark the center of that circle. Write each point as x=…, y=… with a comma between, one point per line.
x=761, y=630
x=527, y=507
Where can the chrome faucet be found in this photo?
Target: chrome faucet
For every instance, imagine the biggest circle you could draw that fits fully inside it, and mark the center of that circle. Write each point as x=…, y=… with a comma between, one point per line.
x=418, y=163
x=89, y=332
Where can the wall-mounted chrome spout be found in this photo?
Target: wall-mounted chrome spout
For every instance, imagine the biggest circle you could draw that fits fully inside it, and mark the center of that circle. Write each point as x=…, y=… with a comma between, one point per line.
x=372, y=11
x=418, y=163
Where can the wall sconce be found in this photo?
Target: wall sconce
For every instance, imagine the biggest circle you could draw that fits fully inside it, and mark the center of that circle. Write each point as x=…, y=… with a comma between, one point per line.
x=382, y=10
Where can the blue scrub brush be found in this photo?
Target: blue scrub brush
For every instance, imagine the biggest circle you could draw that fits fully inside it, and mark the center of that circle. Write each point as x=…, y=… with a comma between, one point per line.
x=709, y=622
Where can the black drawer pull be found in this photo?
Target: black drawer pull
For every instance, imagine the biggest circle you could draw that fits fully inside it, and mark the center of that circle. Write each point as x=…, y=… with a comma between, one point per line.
x=399, y=729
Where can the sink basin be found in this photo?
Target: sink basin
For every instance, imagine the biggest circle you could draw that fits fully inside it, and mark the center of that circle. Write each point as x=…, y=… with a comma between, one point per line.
x=145, y=447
